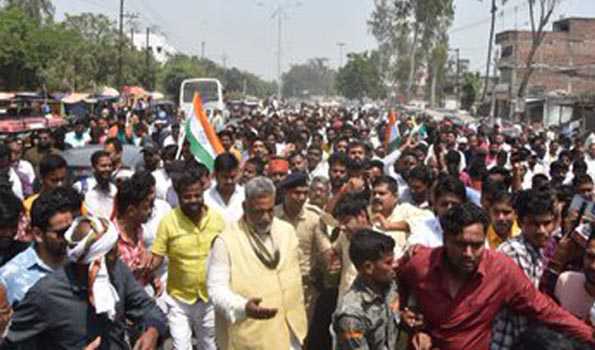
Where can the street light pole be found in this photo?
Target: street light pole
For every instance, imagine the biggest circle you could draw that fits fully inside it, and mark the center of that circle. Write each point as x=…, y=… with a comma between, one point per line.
x=121, y=44
x=279, y=54
x=279, y=12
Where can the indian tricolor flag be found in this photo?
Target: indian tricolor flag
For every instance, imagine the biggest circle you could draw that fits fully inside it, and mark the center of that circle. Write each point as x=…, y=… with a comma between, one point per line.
x=204, y=142
x=392, y=137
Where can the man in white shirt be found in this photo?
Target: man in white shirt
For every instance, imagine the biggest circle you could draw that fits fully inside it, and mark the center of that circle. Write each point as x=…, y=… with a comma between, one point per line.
x=114, y=148
x=391, y=217
x=79, y=137
x=316, y=165
x=162, y=175
x=99, y=191
x=22, y=168
x=8, y=172
x=448, y=192
x=174, y=137
x=226, y=196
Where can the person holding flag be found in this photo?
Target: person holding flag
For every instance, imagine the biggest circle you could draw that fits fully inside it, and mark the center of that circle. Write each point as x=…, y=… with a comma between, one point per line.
x=201, y=136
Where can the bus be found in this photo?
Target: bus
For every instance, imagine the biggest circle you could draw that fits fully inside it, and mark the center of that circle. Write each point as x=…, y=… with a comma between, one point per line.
x=211, y=93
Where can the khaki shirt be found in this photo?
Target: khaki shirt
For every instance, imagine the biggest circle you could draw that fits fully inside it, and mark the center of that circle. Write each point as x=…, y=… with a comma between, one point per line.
x=311, y=241
x=348, y=271
x=34, y=156
x=367, y=320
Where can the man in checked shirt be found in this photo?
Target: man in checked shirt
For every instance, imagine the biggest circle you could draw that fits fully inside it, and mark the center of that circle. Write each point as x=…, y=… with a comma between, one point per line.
x=536, y=215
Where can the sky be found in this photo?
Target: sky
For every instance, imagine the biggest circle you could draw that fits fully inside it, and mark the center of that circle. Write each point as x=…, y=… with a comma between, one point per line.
x=243, y=34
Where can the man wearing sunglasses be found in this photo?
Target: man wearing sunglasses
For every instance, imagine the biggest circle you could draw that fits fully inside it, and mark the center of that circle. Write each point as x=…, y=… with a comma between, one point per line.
x=51, y=216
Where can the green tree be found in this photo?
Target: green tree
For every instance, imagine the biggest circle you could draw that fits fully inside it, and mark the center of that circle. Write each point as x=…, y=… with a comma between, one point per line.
x=437, y=70
x=540, y=13
x=407, y=31
x=38, y=10
x=470, y=90
x=314, y=77
x=177, y=69
x=19, y=63
x=361, y=77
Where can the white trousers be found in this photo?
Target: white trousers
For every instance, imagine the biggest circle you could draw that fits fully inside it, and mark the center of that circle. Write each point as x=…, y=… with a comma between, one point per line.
x=184, y=318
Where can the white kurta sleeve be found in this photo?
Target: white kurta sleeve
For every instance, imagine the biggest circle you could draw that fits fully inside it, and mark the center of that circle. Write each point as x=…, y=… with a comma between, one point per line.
x=229, y=304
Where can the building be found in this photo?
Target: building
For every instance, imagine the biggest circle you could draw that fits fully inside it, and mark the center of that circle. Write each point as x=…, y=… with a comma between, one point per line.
x=564, y=67
x=158, y=45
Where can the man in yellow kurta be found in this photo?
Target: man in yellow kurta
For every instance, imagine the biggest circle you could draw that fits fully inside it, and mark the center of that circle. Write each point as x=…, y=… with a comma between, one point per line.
x=184, y=237
x=254, y=278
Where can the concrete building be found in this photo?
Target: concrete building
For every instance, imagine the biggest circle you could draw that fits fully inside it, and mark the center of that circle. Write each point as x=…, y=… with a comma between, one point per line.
x=158, y=45
x=564, y=67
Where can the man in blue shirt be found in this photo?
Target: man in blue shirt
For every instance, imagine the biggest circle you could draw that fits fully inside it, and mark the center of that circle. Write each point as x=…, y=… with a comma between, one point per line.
x=51, y=216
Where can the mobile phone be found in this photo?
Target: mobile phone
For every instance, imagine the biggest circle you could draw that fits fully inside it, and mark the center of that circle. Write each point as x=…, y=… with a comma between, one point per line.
x=581, y=234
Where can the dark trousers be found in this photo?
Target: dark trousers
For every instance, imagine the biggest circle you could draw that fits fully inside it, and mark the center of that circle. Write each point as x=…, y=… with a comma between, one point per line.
x=319, y=337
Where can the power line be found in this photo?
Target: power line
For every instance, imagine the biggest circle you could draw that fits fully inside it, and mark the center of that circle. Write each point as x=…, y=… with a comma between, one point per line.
x=501, y=13
x=157, y=18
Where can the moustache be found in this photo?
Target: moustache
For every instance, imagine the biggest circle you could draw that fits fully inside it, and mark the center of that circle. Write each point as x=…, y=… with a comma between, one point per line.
x=376, y=201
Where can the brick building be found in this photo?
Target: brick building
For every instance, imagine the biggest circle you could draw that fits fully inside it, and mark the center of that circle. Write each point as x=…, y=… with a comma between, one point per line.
x=564, y=68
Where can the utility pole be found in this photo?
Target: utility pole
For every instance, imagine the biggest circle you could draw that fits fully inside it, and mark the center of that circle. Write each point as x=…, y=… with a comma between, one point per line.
x=341, y=46
x=202, y=49
x=458, y=76
x=121, y=44
x=279, y=46
x=513, y=96
x=148, y=59
x=279, y=13
x=494, y=85
x=224, y=60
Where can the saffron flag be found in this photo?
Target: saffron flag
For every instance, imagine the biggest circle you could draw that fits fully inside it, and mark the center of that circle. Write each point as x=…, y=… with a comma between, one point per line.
x=204, y=142
x=392, y=137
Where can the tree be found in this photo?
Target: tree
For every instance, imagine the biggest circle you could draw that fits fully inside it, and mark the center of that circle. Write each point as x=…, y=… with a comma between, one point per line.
x=470, y=90
x=177, y=69
x=81, y=53
x=19, y=59
x=39, y=10
x=312, y=78
x=538, y=23
x=360, y=77
x=410, y=28
x=438, y=61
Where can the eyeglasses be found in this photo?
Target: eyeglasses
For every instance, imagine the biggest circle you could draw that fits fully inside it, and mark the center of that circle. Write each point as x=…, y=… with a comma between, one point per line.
x=61, y=232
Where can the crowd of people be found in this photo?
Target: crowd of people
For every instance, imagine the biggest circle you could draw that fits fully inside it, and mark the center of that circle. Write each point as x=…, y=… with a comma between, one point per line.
x=310, y=231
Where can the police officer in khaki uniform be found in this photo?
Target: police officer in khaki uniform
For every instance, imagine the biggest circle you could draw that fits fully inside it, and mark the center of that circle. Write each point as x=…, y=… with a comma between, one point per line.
x=307, y=227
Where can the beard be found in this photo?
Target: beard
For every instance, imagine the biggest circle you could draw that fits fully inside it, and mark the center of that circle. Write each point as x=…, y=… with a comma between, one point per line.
x=103, y=182
x=192, y=209
x=262, y=229
x=57, y=248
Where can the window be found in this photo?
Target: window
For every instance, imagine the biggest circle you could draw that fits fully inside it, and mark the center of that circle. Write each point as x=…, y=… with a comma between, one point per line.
x=507, y=51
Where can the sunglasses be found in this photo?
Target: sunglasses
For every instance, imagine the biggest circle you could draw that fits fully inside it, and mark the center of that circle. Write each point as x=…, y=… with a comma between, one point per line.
x=61, y=232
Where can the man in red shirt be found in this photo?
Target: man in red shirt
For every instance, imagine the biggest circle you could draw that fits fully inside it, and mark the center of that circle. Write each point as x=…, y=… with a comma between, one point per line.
x=460, y=287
